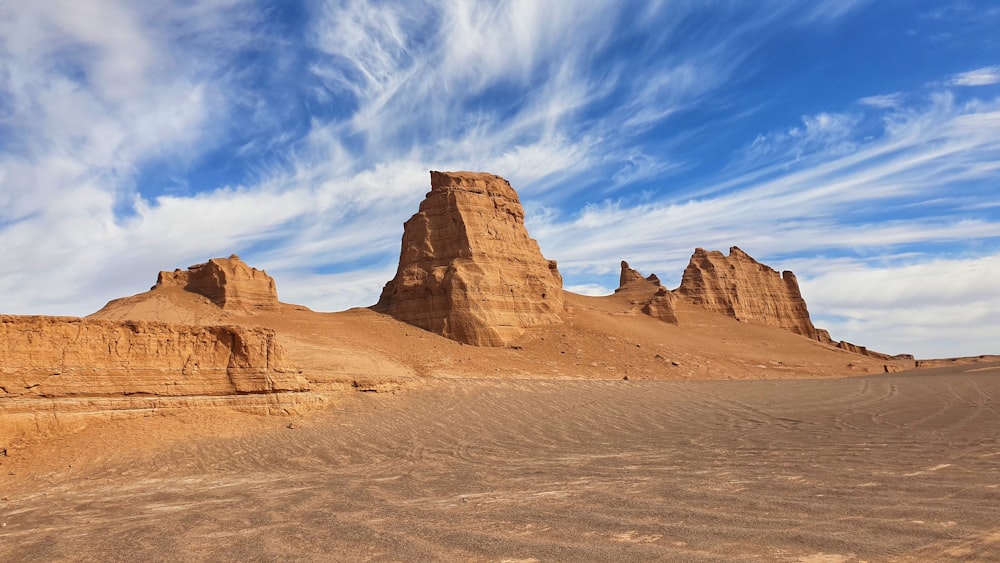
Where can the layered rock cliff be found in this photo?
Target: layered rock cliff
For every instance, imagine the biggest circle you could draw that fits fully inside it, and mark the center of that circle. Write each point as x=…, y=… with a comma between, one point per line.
x=468, y=269
x=647, y=294
x=228, y=282
x=744, y=289
x=55, y=357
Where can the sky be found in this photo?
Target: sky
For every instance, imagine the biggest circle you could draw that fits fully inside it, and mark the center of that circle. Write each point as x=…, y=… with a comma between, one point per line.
x=854, y=142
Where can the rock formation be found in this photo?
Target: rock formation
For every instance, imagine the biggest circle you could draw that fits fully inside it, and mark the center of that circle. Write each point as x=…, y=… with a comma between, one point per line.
x=647, y=294
x=228, y=282
x=71, y=357
x=746, y=290
x=864, y=351
x=628, y=276
x=823, y=336
x=468, y=269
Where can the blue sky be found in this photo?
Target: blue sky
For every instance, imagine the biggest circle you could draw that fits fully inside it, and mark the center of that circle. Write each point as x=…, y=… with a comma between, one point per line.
x=854, y=142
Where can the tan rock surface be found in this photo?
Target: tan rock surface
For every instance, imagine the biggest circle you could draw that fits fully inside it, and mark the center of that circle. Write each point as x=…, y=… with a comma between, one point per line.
x=647, y=294
x=628, y=276
x=227, y=282
x=55, y=357
x=864, y=351
x=468, y=269
x=746, y=290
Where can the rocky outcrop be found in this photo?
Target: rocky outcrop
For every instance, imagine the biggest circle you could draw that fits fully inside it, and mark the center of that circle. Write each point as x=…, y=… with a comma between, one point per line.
x=468, y=269
x=55, y=357
x=661, y=306
x=647, y=294
x=864, y=351
x=823, y=336
x=227, y=282
x=852, y=348
x=744, y=289
x=990, y=361
x=628, y=276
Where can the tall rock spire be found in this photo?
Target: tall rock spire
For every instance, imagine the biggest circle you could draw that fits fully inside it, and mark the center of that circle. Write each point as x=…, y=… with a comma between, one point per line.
x=468, y=269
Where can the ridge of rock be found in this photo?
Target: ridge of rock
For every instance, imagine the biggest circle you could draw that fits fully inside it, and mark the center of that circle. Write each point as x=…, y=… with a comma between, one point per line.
x=746, y=290
x=228, y=282
x=647, y=294
x=71, y=357
x=468, y=270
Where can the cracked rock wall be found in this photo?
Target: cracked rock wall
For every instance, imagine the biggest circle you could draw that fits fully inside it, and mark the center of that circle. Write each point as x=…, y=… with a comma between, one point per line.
x=73, y=357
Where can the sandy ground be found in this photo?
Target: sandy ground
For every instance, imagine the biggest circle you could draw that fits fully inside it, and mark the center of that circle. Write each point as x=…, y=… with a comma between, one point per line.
x=900, y=467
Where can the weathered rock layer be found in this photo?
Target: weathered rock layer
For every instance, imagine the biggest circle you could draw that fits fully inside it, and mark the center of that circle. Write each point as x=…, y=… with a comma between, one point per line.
x=744, y=289
x=72, y=357
x=228, y=282
x=468, y=269
x=647, y=294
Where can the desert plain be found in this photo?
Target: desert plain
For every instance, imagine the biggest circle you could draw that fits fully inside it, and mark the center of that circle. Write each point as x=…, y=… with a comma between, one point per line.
x=481, y=413
x=895, y=467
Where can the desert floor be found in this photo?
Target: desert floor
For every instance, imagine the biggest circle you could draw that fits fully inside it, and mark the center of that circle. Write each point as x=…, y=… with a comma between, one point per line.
x=900, y=467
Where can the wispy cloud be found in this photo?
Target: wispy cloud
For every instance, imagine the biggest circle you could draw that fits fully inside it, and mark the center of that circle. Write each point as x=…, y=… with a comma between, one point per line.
x=832, y=134
x=816, y=198
x=827, y=10
x=96, y=92
x=99, y=90
x=884, y=101
x=978, y=77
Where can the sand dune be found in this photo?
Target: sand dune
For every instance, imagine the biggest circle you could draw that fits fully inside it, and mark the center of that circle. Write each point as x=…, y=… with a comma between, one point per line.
x=901, y=467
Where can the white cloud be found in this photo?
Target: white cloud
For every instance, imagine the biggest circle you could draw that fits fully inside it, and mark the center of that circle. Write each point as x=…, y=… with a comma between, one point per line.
x=979, y=77
x=333, y=292
x=592, y=289
x=828, y=132
x=931, y=308
x=826, y=10
x=827, y=202
x=884, y=101
x=98, y=90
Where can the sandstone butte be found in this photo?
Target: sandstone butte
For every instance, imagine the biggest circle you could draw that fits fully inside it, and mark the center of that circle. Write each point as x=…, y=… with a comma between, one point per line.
x=736, y=286
x=227, y=282
x=468, y=269
x=746, y=290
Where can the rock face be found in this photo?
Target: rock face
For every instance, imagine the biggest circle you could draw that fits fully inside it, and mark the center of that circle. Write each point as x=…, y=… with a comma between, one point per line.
x=746, y=290
x=864, y=351
x=71, y=357
x=228, y=282
x=647, y=294
x=468, y=269
x=628, y=276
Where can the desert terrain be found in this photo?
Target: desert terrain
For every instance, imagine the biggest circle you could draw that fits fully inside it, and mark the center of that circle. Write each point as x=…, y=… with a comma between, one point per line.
x=894, y=467
x=479, y=412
